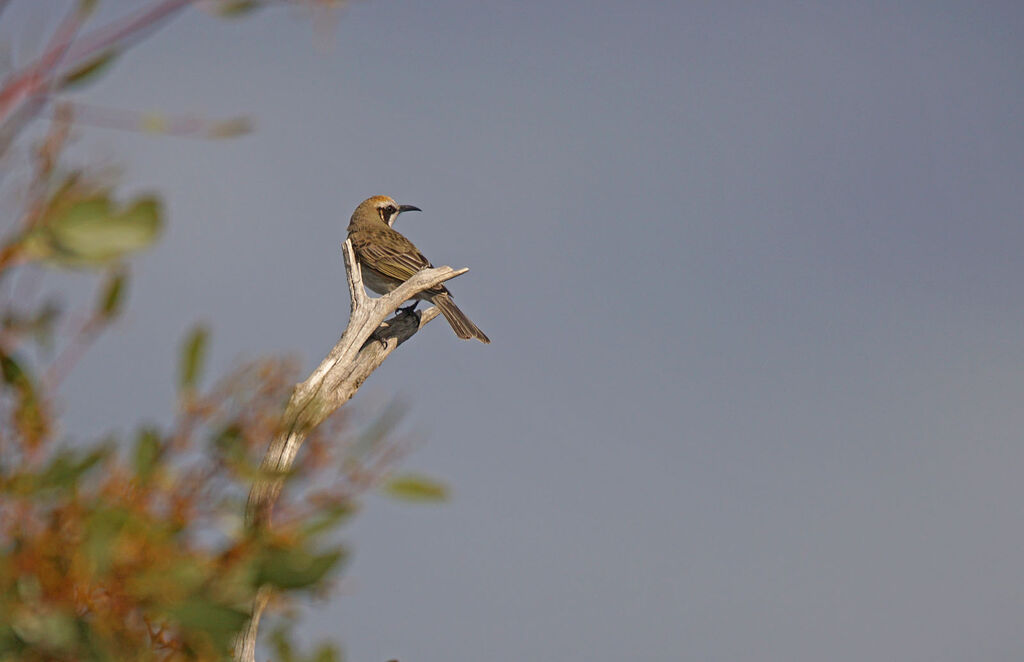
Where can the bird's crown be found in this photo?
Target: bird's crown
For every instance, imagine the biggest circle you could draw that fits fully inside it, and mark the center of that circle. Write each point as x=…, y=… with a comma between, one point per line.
x=378, y=201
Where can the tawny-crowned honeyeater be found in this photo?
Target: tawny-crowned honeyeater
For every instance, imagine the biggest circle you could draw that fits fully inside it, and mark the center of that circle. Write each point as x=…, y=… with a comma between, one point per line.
x=388, y=259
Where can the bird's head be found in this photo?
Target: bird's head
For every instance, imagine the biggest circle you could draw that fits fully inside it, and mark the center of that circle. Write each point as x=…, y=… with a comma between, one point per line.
x=382, y=207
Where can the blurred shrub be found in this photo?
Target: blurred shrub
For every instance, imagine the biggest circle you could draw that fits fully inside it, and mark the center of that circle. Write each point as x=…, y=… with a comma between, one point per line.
x=136, y=548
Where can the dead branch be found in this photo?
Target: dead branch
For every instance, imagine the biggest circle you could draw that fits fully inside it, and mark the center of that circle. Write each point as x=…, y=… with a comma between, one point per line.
x=364, y=345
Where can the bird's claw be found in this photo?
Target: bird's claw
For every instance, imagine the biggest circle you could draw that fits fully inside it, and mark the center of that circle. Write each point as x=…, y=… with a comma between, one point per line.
x=379, y=336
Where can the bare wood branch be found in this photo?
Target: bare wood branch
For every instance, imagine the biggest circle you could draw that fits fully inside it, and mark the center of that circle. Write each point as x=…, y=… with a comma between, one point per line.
x=368, y=339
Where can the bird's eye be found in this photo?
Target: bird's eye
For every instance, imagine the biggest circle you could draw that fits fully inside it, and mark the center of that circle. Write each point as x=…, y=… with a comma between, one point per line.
x=387, y=212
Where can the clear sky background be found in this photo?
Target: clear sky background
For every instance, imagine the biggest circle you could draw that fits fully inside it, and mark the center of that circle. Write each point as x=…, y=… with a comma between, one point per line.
x=752, y=272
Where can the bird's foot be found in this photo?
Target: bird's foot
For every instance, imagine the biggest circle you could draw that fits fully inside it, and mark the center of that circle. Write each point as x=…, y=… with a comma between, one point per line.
x=379, y=335
x=381, y=338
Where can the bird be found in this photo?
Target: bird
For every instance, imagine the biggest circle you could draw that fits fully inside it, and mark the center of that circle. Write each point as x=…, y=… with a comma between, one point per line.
x=387, y=259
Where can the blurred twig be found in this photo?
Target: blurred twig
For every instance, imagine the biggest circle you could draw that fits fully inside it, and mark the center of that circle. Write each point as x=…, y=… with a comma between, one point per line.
x=180, y=126
x=27, y=91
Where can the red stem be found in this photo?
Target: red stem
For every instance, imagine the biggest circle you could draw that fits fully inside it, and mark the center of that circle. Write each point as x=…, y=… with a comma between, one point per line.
x=99, y=40
x=34, y=80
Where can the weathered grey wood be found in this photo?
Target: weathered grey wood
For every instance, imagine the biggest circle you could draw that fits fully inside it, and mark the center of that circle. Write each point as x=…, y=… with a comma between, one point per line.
x=364, y=345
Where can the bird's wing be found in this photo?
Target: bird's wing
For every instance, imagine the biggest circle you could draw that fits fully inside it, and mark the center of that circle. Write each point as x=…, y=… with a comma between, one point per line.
x=389, y=253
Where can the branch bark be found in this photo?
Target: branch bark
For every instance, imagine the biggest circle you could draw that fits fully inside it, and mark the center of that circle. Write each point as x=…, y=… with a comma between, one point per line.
x=367, y=341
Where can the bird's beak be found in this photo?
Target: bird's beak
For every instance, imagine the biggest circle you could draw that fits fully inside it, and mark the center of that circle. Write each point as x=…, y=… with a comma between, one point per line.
x=402, y=208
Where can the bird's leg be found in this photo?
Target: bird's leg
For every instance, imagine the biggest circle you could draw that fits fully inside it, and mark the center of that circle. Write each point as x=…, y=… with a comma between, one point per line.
x=378, y=335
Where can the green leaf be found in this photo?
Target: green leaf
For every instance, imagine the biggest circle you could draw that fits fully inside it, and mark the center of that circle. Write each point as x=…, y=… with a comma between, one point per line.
x=12, y=372
x=53, y=630
x=87, y=7
x=230, y=128
x=328, y=517
x=283, y=647
x=10, y=644
x=112, y=295
x=293, y=568
x=285, y=650
x=154, y=123
x=30, y=590
x=220, y=622
x=38, y=324
x=416, y=488
x=96, y=232
x=193, y=355
x=170, y=581
x=89, y=71
x=236, y=8
x=326, y=653
x=68, y=466
x=29, y=416
x=229, y=441
x=148, y=448
x=42, y=327
x=89, y=231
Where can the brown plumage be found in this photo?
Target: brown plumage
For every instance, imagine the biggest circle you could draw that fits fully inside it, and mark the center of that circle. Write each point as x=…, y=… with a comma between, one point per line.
x=388, y=259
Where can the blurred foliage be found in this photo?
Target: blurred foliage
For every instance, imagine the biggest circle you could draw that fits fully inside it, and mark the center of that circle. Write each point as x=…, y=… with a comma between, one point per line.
x=89, y=71
x=135, y=547
x=285, y=649
x=415, y=487
x=86, y=228
x=193, y=355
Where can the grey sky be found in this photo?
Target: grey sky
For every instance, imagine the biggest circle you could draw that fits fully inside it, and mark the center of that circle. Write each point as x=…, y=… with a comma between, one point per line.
x=751, y=272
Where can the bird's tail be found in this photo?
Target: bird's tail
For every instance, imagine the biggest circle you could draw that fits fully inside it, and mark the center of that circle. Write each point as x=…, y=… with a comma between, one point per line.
x=460, y=324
